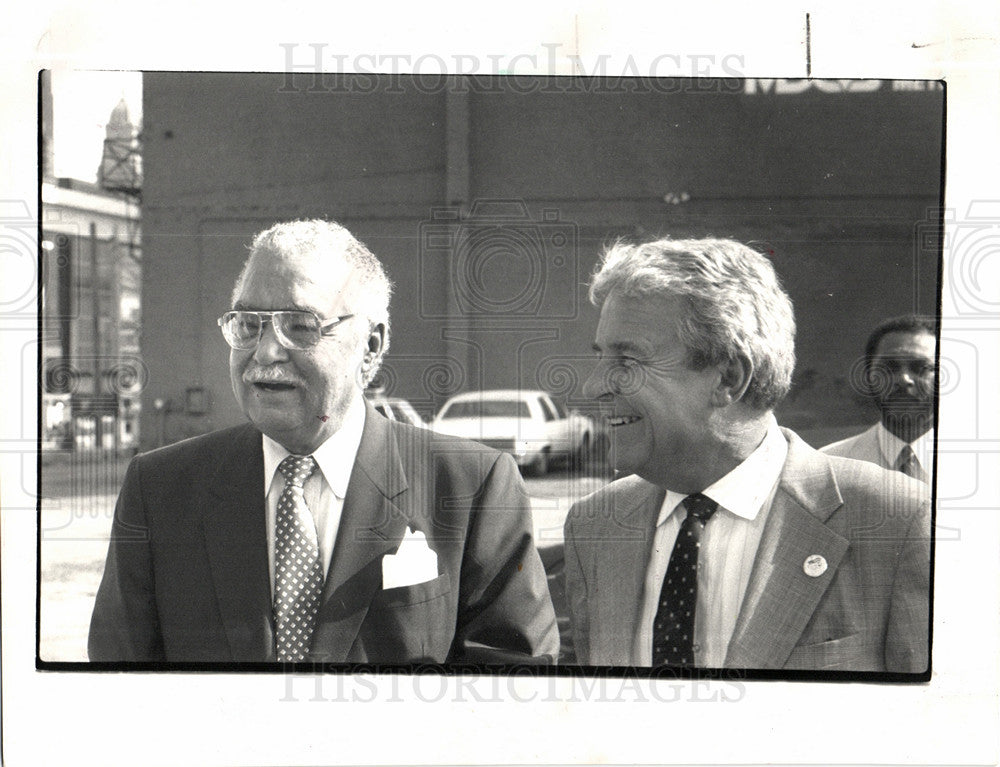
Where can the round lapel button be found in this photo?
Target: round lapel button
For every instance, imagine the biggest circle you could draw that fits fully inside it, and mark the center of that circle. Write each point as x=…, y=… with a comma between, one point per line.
x=814, y=566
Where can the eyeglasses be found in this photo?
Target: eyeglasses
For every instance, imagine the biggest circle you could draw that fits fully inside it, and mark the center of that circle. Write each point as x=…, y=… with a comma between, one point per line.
x=294, y=329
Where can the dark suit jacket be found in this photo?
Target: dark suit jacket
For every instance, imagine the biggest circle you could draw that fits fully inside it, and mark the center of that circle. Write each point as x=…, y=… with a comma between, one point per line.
x=187, y=579
x=867, y=612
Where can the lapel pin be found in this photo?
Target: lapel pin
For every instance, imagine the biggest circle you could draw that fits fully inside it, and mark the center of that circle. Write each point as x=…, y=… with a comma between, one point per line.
x=814, y=566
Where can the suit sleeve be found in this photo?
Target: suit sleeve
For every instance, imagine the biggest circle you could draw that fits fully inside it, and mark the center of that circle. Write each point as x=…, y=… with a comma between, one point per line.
x=124, y=625
x=505, y=611
x=576, y=594
x=907, y=634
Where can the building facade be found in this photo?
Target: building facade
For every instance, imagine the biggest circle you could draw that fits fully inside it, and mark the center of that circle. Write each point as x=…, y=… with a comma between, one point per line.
x=92, y=371
x=490, y=199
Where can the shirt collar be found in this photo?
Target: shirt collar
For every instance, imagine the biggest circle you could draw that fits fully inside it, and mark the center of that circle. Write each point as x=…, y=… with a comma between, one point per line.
x=890, y=445
x=745, y=489
x=335, y=457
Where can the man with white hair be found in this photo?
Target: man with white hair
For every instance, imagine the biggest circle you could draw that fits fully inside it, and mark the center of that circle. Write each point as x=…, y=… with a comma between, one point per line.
x=320, y=531
x=729, y=542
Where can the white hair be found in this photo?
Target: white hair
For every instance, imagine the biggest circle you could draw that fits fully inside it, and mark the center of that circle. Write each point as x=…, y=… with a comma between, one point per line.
x=370, y=284
x=733, y=303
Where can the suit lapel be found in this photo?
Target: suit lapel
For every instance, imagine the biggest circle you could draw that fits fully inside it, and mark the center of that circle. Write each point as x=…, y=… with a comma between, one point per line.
x=868, y=448
x=235, y=534
x=621, y=567
x=371, y=526
x=781, y=595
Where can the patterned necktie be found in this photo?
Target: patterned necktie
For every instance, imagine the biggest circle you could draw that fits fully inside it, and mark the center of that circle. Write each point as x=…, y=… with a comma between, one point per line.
x=673, y=627
x=909, y=465
x=298, y=576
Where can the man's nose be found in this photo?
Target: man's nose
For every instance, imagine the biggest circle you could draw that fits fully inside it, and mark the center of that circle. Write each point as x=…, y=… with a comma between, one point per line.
x=269, y=349
x=905, y=377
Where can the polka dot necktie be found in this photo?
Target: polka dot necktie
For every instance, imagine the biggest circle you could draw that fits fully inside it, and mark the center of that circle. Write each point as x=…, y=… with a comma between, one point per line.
x=909, y=465
x=298, y=577
x=673, y=627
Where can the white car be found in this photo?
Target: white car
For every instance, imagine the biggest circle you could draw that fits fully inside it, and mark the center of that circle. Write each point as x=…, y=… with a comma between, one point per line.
x=529, y=425
x=397, y=409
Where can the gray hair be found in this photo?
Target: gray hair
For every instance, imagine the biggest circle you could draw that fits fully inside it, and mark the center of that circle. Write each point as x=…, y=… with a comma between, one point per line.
x=372, y=285
x=734, y=305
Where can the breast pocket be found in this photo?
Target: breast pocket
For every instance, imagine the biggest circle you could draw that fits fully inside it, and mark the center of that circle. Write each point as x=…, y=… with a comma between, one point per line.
x=416, y=594
x=410, y=624
x=850, y=653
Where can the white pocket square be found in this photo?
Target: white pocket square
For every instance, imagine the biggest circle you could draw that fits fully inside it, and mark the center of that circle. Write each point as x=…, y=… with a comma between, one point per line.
x=414, y=562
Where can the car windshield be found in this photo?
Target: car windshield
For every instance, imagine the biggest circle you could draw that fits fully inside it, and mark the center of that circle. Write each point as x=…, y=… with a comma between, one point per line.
x=487, y=408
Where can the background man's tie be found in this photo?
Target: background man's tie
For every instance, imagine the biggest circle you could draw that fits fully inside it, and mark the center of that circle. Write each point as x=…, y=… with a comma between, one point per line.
x=298, y=576
x=673, y=627
x=909, y=465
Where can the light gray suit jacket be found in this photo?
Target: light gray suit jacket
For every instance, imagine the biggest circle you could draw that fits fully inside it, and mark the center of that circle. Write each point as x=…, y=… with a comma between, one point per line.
x=861, y=447
x=869, y=611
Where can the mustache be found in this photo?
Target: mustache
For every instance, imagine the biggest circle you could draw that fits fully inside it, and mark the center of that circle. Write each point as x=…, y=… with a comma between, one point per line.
x=269, y=376
x=901, y=395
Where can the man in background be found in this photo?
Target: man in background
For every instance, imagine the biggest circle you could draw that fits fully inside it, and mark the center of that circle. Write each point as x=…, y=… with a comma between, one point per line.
x=320, y=531
x=730, y=542
x=899, y=375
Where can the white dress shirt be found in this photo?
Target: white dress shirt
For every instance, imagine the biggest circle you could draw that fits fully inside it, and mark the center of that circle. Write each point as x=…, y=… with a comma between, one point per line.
x=325, y=488
x=728, y=550
x=890, y=446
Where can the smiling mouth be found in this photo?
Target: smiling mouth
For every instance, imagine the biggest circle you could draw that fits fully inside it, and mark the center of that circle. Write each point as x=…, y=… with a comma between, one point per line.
x=273, y=386
x=621, y=420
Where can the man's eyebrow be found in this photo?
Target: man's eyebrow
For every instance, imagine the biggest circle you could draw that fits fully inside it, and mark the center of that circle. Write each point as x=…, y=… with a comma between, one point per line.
x=620, y=347
x=240, y=306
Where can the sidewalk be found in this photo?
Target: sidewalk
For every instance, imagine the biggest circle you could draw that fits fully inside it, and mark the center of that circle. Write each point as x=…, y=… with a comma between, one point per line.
x=74, y=542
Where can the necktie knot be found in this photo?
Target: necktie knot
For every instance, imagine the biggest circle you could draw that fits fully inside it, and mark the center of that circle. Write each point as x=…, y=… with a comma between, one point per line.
x=701, y=507
x=907, y=462
x=296, y=469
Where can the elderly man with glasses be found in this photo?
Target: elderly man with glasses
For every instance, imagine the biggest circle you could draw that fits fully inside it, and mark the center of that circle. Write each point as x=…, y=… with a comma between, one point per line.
x=319, y=531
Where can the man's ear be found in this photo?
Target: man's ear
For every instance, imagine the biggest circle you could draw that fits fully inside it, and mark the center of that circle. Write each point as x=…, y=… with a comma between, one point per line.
x=734, y=379
x=376, y=341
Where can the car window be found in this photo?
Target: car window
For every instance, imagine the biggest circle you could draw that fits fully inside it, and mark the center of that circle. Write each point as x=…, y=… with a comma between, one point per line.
x=547, y=410
x=384, y=409
x=487, y=409
x=560, y=408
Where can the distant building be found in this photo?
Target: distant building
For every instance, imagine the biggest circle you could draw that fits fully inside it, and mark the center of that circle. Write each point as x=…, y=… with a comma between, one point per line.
x=121, y=163
x=490, y=199
x=92, y=372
